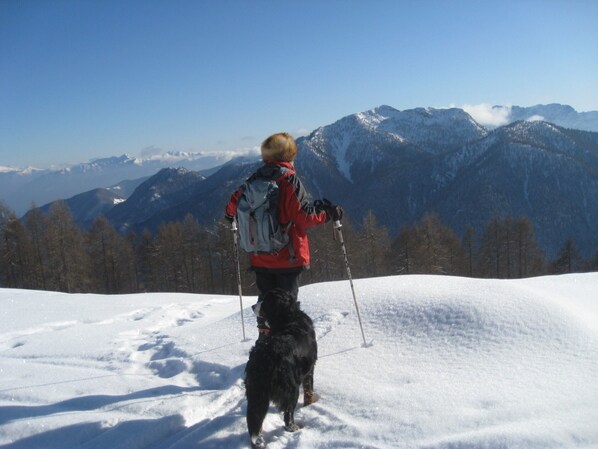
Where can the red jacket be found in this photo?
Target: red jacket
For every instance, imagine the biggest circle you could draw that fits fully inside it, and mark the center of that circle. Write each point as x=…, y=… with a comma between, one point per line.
x=294, y=208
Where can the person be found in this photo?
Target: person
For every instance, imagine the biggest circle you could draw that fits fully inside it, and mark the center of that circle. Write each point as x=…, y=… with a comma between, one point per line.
x=283, y=269
x=296, y=213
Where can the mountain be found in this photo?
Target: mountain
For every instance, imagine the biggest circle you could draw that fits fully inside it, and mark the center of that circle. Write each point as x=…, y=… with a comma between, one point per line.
x=169, y=195
x=165, y=189
x=20, y=188
x=404, y=164
x=533, y=169
x=450, y=165
x=561, y=115
x=87, y=206
x=126, y=188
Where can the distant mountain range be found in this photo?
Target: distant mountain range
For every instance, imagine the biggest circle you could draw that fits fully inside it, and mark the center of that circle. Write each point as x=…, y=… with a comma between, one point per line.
x=559, y=114
x=20, y=188
x=402, y=164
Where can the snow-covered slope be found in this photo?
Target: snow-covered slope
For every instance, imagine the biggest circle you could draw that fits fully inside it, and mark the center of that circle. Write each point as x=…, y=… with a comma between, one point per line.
x=456, y=363
x=375, y=136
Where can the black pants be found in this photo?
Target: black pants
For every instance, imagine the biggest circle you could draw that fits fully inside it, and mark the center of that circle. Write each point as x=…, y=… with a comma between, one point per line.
x=267, y=281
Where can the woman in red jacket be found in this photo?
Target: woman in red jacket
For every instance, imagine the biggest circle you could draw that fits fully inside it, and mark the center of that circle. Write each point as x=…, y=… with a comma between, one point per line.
x=283, y=269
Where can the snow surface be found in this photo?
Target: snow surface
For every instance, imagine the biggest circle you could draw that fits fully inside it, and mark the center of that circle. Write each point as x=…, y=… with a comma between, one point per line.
x=455, y=363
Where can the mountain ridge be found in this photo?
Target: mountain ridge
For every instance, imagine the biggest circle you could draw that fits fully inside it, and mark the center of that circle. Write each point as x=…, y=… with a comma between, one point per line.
x=403, y=164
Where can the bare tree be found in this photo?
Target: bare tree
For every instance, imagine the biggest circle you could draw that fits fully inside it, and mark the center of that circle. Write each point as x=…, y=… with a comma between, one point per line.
x=403, y=250
x=37, y=225
x=509, y=249
x=68, y=260
x=568, y=260
x=325, y=251
x=112, y=259
x=437, y=249
x=374, y=249
x=16, y=255
x=469, y=250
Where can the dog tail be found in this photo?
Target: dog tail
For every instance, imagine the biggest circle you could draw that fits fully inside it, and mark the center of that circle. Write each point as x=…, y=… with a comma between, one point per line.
x=258, y=383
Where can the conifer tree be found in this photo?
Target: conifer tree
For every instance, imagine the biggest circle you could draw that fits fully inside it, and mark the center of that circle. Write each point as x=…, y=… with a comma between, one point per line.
x=374, y=249
x=191, y=248
x=112, y=259
x=167, y=245
x=528, y=257
x=146, y=262
x=69, y=263
x=437, y=249
x=568, y=260
x=37, y=225
x=592, y=263
x=225, y=260
x=469, y=251
x=509, y=249
x=207, y=248
x=326, y=257
x=492, y=249
x=5, y=216
x=17, y=253
x=403, y=248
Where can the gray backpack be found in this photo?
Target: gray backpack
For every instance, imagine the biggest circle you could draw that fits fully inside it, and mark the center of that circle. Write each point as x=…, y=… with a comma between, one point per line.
x=257, y=212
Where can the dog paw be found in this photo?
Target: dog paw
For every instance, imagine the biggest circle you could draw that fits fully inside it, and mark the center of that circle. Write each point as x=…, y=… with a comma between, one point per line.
x=310, y=398
x=293, y=427
x=259, y=443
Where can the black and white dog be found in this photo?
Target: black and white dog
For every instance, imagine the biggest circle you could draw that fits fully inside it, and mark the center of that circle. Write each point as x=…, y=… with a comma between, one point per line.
x=279, y=363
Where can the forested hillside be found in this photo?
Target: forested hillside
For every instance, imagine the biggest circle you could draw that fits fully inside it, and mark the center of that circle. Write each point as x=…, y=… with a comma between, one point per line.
x=50, y=252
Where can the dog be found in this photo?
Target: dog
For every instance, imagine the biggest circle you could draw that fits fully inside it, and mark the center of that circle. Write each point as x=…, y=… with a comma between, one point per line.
x=280, y=363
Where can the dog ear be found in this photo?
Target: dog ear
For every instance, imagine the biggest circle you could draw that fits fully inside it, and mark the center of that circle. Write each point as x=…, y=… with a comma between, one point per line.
x=286, y=298
x=278, y=301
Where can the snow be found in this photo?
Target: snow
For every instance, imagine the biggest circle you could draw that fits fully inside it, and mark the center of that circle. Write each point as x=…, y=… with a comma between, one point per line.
x=19, y=171
x=455, y=363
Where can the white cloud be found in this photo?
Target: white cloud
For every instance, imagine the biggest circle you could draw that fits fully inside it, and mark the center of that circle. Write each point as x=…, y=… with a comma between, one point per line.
x=487, y=115
x=301, y=132
x=151, y=150
x=536, y=118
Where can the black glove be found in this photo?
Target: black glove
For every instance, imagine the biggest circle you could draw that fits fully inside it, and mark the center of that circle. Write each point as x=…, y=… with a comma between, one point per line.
x=229, y=218
x=333, y=212
x=336, y=212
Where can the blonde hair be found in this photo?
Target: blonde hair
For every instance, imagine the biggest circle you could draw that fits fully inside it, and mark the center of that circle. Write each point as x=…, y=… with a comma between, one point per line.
x=279, y=147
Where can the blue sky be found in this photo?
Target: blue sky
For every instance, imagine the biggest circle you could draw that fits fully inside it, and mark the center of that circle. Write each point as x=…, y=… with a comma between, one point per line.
x=91, y=78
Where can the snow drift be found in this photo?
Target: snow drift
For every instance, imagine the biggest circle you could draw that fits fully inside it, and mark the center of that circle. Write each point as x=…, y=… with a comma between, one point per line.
x=456, y=363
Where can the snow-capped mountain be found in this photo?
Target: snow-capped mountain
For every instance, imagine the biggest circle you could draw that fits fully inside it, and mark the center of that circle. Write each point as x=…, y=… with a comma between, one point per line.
x=168, y=195
x=452, y=166
x=20, y=188
x=165, y=189
x=87, y=206
x=373, y=137
x=403, y=164
x=561, y=115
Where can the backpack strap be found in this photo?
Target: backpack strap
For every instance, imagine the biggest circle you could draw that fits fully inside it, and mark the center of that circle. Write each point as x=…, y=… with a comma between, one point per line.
x=285, y=173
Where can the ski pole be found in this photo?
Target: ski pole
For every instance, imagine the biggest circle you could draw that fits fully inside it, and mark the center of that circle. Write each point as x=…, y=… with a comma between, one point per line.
x=337, y=227
x=238, y=269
